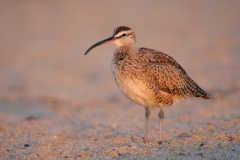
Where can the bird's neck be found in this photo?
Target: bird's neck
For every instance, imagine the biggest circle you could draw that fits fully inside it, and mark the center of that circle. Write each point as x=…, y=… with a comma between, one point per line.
x=123, y=54
x=127, y=49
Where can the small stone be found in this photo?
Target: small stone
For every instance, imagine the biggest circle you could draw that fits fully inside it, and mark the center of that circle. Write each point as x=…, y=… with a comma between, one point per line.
x=29, y=118
x=201, y=144
x=26, y=145
x=86, y=149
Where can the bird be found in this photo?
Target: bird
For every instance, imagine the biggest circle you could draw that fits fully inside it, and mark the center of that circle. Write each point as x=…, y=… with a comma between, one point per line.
x=148, y=77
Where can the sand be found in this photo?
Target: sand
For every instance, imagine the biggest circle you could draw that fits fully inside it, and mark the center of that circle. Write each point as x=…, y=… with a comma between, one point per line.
x=56, y=103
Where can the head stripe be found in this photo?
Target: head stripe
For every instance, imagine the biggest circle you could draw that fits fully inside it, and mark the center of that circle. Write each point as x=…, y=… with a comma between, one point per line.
x=121, y=28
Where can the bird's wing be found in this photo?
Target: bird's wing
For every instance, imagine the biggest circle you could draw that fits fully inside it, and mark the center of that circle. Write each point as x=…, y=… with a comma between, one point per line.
x=171, y=80
x=171, y=77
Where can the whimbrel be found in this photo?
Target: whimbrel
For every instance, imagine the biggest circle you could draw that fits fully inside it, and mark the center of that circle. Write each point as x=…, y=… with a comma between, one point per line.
x=148, y=77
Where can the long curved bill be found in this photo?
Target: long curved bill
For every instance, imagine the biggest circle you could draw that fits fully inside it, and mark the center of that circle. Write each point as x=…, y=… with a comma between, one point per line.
x=108, y=40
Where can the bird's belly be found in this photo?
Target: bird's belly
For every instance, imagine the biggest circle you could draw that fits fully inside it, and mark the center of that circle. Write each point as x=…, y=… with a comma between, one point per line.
x=137, y=91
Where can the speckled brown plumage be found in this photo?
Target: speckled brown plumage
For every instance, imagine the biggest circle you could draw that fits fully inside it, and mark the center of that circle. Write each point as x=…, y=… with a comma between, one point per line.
x=149, y=77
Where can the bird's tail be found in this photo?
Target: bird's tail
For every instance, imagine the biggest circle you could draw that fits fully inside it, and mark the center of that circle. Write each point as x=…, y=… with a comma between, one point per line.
x=196, y=90
x=199, y=92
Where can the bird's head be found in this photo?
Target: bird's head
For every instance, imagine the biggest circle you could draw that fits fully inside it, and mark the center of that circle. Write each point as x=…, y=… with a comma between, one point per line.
x=121, y=36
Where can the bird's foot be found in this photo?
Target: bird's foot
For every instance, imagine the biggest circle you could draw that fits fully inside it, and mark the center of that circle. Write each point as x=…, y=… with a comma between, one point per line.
x=160, y=142
x=146, y=140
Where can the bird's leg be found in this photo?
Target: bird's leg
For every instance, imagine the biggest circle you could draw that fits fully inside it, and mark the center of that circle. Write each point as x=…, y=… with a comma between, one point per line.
x=147, y=115
x=161, y=116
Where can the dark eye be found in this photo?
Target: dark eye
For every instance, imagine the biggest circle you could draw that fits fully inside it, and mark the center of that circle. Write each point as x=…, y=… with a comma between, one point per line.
x=124, y=35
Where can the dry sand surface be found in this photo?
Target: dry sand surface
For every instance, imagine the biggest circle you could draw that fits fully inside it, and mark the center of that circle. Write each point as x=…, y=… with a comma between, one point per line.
x=56, y=103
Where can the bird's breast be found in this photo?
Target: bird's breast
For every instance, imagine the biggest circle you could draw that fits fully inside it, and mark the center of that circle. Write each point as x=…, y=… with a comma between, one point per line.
x=132, y=86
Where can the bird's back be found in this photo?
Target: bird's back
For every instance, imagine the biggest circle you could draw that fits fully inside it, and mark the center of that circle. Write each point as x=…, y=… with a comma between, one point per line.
x=172, y=78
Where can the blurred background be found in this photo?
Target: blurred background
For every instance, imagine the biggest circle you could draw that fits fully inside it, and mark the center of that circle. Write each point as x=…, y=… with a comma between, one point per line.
x=42, y=44
x=49, y=90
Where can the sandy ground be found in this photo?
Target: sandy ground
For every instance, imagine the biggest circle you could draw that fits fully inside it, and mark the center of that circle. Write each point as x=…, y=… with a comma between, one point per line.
x=56, y=103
